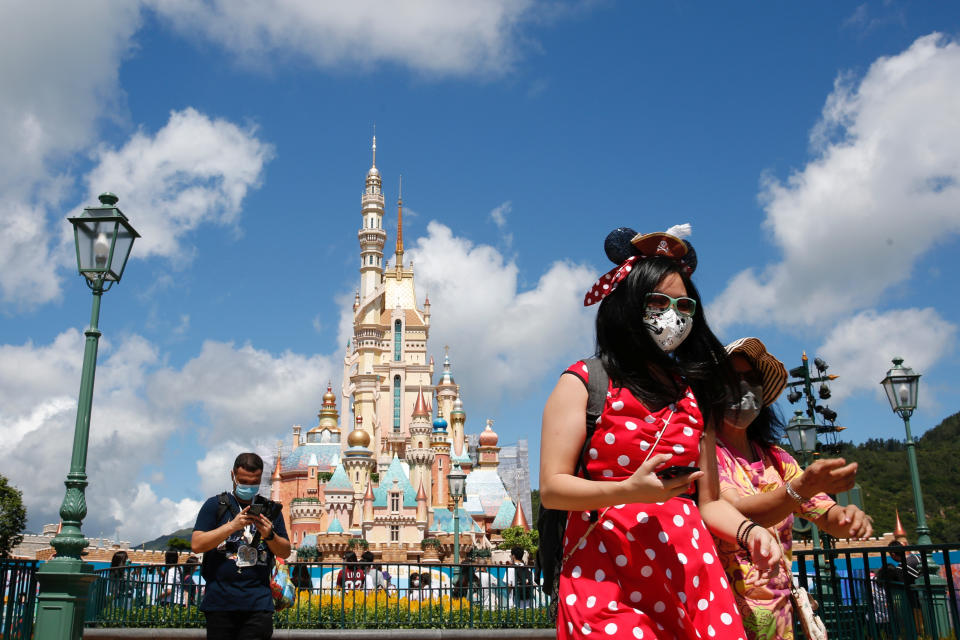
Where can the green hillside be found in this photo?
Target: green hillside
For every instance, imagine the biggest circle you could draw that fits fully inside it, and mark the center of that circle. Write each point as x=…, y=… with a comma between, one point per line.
x=884, y=478
x=160, y=544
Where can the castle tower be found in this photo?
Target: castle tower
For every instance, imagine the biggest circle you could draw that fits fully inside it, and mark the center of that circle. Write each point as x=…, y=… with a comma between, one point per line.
x=328, y=416
x=446, y=387
x=422, y=510
x=275, y=476
x=458, y=419
x=371, y=235
x=358, y=463
x=386, y=361
x=488, y=453
x=368, y=510
x=420, y=455
x=441, y=461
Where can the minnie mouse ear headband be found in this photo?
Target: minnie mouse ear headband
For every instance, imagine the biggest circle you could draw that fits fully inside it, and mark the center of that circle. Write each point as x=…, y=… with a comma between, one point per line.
x=772, y=372
x=624, y=247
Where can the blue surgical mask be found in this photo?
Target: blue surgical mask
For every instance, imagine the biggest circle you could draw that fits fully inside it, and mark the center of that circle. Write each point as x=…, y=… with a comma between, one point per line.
x=246, y=492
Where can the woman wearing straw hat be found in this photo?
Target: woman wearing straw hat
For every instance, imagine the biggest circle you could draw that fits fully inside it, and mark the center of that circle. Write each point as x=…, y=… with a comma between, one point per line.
x=766, y=484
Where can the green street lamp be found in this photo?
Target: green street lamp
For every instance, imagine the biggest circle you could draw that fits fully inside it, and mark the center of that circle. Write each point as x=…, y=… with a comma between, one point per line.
x=103, y=237
x=802, y=433
x=456, y=480
x=901, y=385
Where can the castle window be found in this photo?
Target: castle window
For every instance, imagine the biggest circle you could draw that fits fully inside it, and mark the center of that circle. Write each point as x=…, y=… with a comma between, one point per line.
x=395, y=503
x=397, y=341
x=396, y=404
x=394, y=533
x=439, y=464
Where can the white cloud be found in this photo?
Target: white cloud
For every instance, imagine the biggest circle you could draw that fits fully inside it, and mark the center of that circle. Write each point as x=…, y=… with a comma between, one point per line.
x=441, y=37
x=882, y=189
x=142, y=515
x=500, y=212
x=214, y=468
x=249, y=398
x=58, y=69
x=194, y=170
x=860, y=349
x=246, y=393
x=502, y=340
x=39, y=385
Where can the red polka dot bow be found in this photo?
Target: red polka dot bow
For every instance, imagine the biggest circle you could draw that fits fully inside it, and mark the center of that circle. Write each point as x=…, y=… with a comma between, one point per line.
x=609, y=281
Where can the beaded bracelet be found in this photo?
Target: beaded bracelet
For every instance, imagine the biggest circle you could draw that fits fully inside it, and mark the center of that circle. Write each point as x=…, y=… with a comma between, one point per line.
x=743, y=534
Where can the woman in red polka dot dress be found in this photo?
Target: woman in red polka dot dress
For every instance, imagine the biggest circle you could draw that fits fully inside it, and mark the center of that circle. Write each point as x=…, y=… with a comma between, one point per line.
x=646, y=565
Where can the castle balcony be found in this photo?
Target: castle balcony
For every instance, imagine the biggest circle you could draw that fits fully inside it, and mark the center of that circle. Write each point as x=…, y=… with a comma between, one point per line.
x=369, y=332
x=420, y=456
x=372, y=236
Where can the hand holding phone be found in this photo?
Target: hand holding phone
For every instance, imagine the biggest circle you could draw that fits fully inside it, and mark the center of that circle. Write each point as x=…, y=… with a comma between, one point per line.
x=255, y=509
x=669, y=473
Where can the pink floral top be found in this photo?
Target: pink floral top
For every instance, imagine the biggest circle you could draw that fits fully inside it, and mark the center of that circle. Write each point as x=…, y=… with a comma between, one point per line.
x=766, y=611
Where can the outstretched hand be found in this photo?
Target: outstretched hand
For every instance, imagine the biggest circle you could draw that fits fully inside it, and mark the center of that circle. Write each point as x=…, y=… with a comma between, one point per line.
x=645, y=486
x=832, y=476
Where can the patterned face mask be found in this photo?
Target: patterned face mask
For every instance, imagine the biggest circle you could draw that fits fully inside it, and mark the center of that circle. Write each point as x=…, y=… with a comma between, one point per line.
x=668, y=329
x=743, y=412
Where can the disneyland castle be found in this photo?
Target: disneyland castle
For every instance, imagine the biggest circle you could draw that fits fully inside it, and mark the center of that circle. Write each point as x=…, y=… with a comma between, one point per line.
x=377, y=469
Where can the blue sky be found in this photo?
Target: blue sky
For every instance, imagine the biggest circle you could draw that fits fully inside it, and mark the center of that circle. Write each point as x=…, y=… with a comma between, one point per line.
x=814, y=150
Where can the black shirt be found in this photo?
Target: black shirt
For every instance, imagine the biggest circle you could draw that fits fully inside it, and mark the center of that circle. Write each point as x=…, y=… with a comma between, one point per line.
x=229, y=588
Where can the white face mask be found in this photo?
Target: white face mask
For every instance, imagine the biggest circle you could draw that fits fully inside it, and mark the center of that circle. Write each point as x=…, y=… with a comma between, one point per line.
x=743, y=412
x=668, y=329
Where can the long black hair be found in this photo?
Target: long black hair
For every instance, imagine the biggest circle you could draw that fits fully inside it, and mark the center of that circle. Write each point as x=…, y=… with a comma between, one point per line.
x=767, y=428
x=634, y=360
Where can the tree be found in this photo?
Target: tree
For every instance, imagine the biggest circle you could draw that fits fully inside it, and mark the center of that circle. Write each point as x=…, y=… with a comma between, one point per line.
x=517, y=537
x=178, y=544
x=13, y=517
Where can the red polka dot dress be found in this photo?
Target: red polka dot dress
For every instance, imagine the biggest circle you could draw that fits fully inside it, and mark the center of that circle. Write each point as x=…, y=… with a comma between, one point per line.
x=645, y=570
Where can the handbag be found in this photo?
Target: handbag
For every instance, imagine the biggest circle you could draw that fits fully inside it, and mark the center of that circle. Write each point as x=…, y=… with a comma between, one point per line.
x=281, y=586
x=813, y=627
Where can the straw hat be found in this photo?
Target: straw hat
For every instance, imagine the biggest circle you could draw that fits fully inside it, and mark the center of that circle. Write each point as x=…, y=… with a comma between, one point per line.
x=772, y=372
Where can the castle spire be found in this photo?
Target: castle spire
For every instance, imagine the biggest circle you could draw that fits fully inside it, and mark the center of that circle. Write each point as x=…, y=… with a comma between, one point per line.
x=420, y=409
x=898, y=530
x=374, y=146
x=400, y=224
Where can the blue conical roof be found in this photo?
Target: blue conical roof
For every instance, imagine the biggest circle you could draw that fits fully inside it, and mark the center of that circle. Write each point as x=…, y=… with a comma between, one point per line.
x=395, y=470
x=339, y=479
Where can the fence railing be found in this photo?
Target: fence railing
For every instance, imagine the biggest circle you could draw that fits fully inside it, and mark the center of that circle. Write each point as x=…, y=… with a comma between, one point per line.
x=337, y=595
x=18, y=588
x=872, y=593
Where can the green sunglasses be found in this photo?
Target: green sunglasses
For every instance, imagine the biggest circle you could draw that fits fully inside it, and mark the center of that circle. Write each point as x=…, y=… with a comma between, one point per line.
x=661, y=302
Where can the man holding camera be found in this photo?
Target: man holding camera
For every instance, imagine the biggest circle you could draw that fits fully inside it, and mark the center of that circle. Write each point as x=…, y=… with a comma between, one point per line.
x=239, y=533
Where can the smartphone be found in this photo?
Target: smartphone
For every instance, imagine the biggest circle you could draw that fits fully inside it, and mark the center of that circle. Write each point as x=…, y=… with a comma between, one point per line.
x=675, y=472
x=255, y=509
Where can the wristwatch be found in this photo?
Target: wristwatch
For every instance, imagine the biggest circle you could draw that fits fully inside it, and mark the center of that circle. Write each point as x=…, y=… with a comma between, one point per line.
x=273, y=534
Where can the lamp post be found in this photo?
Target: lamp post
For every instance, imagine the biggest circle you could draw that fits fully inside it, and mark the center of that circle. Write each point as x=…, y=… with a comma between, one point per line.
x=901, y=385
x=103, y=238
x=802, y=433
x=456, y=480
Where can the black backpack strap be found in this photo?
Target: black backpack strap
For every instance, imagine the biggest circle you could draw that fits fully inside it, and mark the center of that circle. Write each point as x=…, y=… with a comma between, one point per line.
x=224, y=505
x=597, y=382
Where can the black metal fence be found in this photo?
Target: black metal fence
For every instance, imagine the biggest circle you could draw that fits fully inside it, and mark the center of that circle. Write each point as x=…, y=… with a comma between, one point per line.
x=336, y=595
x=878, y=594
x=18, y=588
